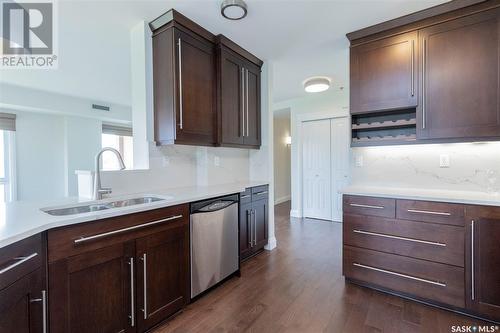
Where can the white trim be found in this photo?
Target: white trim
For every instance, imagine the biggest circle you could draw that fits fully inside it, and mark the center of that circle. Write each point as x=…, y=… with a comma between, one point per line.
x=271, y=244
x=296, y=213
x=278, y=201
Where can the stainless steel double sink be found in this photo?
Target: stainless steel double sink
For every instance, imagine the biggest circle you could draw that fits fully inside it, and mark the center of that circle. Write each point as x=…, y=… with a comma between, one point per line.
x=98, y=206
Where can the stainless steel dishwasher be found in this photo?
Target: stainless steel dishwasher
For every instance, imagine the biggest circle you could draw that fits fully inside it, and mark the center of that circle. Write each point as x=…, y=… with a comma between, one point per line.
x=214, y=242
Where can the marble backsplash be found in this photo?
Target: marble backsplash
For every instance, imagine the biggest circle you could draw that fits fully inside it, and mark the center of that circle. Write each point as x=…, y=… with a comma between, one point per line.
x=473, y=166
x=179, y=166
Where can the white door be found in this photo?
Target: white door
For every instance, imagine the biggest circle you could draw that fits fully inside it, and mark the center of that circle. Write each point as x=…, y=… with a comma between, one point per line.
x=340, y=136
x=316, y=169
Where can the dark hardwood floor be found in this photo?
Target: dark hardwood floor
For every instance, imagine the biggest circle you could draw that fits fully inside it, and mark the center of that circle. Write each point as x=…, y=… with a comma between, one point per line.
x=298, y=287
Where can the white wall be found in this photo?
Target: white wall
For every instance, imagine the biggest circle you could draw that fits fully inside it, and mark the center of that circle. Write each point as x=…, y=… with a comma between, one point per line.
x=282, y=155
x=328, y=104
x=473, y=167
x=40, y=167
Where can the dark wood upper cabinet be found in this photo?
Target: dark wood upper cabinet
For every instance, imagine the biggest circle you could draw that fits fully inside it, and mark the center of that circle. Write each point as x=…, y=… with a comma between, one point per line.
x=238, y=96
x=163, y=275
x=483, y=261
x=460, y=80
x=184, y=84
x=384, y=74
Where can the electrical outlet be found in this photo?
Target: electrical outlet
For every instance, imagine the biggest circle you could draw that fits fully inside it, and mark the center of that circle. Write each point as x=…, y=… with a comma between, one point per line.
x=165, y=161
x=444, y=161
x=359, y=161
x=216, y=161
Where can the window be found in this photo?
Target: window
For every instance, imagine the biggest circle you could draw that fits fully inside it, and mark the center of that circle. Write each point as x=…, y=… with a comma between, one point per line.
x=120, y=138
x=7, y=157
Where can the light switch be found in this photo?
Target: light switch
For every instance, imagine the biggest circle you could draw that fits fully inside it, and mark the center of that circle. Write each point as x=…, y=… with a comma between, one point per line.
x=444, y=161
x=359, y=161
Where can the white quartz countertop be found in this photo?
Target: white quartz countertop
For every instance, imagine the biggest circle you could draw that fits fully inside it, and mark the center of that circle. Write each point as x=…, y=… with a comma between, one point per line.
x=19, y=220
x=465, y=197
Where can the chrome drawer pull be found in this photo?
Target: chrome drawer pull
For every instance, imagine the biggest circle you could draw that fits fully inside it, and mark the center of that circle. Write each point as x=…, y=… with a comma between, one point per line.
x=366, y=206
x=261, y=193
x=21, y=260
x=114, y=232
x=428, y=212
x=398, y=237
x=245, y=196
x=400, y=275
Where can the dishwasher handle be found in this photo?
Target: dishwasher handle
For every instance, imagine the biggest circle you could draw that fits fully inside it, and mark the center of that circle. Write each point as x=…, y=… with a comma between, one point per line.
x=215, y=206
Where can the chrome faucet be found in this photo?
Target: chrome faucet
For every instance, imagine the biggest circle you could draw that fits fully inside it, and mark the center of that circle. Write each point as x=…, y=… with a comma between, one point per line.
x=98, y=190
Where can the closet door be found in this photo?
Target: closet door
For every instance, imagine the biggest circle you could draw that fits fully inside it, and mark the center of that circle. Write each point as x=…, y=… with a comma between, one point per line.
x=316, y=170
x=340, y=141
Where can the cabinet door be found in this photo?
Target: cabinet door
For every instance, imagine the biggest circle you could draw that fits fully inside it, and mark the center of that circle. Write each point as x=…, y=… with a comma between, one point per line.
x=231, y=99
x=245, y=230
x=252, y=106
x=460, y=81
x=163, y=275
x=23, y=304
x=195, y=110
x=383, y=74
x=92, y=292
x=483, y=266
x=261, y=212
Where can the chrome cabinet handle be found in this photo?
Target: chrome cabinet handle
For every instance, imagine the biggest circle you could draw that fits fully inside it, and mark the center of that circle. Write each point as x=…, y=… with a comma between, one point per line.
x=180, y=84
x=472, y=287
x=243, y=101
x=20, y=261
x=261, y=193
x=398, y=237
x=246, y=95
x=145, y=284
x=255, y=227
x=412, y=67
x=366, y=206
x=114, y=232
x=428, y=212
x=44, y=309
x=245, y=196
x=249, y=223
x=424, y=55
x=132, y=294
x=411, y=277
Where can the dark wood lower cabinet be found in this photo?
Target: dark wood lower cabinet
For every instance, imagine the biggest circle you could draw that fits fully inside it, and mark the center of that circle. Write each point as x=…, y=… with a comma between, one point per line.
x=126, y=274
x=441, y=253
x=22, y=305
x=163, y=275
x=483, y=261
x=254, y=212
x=92, y=292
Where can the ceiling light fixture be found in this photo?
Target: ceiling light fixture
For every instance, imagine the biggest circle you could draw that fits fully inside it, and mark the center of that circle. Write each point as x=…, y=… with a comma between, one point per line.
x=316, y=84
x=233, y=9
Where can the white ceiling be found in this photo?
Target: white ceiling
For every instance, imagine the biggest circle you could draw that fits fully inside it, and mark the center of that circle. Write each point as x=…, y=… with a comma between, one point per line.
x=301, y=38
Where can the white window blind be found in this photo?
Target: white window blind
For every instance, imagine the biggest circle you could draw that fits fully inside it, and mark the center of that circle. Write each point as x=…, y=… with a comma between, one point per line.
x=7, y=121
x=116, y=130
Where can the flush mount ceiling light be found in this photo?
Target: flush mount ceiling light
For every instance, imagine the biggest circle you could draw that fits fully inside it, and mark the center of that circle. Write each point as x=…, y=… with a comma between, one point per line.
x=233, y=9
x=317, y=84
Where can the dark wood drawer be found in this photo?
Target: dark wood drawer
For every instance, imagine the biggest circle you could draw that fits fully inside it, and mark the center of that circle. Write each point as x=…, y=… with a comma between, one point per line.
x=434, y=212
x=414, y=277
x=246, y=197
x=260, y=192
x=21, y=258
x=361, y=205
x=72, y=240
x=434, y=242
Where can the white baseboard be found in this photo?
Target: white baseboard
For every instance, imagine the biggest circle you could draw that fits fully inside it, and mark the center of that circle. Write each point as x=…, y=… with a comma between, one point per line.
x=282, y=199
x=271, y=244
x=296, y=213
